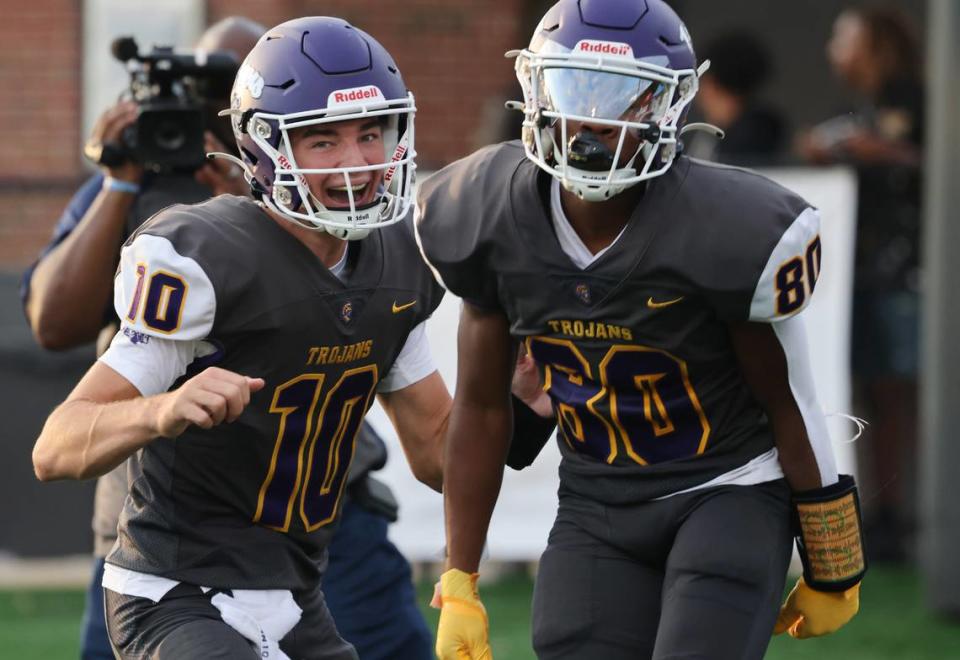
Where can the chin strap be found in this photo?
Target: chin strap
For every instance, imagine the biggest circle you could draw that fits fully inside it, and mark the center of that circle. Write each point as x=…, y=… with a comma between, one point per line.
x=247, y=174
x=703, y=126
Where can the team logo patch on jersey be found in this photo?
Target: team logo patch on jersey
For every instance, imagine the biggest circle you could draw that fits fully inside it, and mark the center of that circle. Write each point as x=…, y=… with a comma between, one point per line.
x=346, y=312
x=583, y=293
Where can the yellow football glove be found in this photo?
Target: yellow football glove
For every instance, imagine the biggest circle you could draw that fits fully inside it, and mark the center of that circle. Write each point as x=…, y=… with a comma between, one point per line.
x=810, y=613
x=830, y=545
x=462, y=633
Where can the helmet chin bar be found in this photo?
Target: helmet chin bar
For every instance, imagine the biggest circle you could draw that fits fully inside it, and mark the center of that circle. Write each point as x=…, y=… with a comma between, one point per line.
x=659, y=137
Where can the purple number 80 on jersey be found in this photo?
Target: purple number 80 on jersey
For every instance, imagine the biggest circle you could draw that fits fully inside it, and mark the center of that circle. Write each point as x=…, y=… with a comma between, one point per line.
x=641, y=399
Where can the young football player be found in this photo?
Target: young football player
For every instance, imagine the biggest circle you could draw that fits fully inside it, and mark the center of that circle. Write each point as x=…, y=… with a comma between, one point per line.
x=658, y=295
x=275, y=325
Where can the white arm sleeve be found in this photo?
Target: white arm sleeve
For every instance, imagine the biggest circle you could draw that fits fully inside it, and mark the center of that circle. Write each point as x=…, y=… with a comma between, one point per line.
x=152, y=364
x=414, y=363
x=793, y=338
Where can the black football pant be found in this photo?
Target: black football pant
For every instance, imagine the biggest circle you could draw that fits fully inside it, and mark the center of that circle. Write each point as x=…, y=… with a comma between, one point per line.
x=695, y=576
x=184, y=625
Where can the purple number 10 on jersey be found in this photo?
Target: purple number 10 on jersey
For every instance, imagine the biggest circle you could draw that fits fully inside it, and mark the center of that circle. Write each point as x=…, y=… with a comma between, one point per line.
x=640, y=398
x=164, y=300
x=313, y=450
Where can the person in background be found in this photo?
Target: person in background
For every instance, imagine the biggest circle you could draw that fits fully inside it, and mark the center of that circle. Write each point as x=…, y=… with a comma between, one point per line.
x=875, y=52
x=755, y=133
x=67, y=298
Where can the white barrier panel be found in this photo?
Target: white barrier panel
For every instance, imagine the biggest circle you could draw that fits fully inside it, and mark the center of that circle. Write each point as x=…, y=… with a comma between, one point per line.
x=528, y=499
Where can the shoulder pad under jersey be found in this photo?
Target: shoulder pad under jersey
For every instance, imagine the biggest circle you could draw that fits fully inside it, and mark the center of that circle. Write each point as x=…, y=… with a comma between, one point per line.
x=460, y=211
x=754, y=245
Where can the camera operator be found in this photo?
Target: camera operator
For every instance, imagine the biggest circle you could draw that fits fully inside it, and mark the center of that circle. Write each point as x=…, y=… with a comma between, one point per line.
x=67, y=297
x=75, y=271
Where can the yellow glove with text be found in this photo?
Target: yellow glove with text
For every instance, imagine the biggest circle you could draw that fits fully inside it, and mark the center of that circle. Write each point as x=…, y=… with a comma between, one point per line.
x=811, y=613
x=462, y=633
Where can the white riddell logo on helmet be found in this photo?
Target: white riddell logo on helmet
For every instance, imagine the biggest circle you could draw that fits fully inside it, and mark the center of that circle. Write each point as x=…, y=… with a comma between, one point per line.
x=354, y=95
x=603, y=48
x=250, y=79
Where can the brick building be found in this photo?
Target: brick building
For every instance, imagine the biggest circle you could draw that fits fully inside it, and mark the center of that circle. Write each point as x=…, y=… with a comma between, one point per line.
x=450, y=52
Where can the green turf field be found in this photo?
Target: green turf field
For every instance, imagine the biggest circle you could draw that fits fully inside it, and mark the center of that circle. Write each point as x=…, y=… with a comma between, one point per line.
x=43, y=625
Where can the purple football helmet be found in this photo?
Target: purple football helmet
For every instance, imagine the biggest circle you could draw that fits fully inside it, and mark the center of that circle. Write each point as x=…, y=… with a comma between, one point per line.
x=313, y=71
x=628, y=65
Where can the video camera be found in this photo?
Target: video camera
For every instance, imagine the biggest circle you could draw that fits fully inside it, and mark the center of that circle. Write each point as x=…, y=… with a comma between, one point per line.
x=173, y=91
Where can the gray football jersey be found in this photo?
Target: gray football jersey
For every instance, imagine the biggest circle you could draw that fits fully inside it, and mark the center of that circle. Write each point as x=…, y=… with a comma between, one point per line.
x=634, y=350
x=252, y=504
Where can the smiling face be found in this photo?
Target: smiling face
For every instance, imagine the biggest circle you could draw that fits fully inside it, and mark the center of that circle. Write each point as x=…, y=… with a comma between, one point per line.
x=353, y=143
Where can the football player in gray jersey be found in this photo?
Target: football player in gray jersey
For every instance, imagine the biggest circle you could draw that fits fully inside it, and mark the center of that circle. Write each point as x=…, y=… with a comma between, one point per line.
x=658, y=296
x=255, y=334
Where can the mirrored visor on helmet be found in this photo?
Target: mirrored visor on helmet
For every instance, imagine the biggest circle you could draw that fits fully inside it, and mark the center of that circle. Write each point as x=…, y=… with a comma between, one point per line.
x=601, y=95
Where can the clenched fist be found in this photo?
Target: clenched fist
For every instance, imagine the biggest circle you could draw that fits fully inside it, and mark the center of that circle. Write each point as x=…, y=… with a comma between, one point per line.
x=213, y=396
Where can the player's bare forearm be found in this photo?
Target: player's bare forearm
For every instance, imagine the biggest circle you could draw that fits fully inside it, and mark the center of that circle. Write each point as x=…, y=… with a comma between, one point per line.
x=478, y=435
x=797, y=460
x=105, y=420
x=84, y=439
x=477, y=443
x=72, y=284
x=764, y=367
x=420, y=414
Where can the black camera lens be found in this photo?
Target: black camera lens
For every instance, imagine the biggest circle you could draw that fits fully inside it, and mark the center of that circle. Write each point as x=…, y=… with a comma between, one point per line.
x=169, y=136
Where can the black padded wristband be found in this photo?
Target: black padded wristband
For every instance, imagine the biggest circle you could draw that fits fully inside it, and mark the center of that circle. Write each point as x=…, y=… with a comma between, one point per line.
x=830, y=536
x=530, y=434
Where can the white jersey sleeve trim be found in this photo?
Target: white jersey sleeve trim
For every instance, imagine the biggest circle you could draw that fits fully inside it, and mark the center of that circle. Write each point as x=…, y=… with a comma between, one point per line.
x=161, y=293
x=151, y=364
x=791, y=272
x=793, y=338
x=414, y=363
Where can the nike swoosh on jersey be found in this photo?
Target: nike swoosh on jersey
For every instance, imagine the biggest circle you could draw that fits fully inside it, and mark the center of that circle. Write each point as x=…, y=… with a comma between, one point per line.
x=652, y=304
x=399, y=308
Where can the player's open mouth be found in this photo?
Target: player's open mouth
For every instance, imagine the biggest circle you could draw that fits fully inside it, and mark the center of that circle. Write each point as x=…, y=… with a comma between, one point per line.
x=362, y=194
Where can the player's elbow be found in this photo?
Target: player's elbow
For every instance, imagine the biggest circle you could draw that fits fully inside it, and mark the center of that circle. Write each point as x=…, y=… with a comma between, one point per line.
x=53, y=461
x=50, y=333
x=51, y=339
x=429, y=473
x=46, y=465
